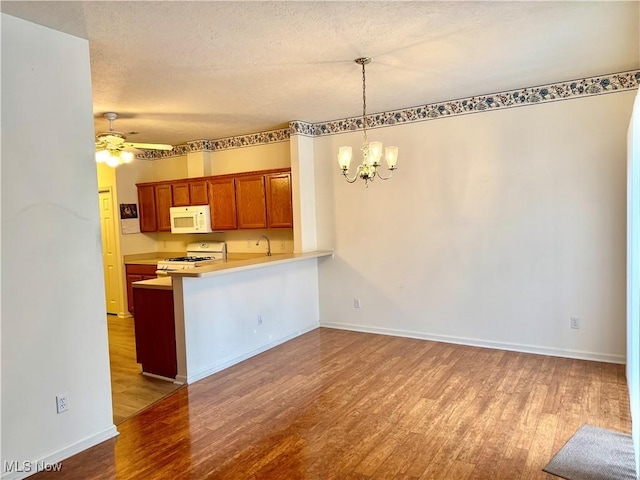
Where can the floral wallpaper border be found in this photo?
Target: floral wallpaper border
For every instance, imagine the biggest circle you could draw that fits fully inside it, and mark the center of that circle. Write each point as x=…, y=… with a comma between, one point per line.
x=482, y=103
x=599, y=85
x=261, y=138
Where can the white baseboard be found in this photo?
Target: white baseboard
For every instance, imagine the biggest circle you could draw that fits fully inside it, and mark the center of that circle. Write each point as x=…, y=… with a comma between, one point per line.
x=166, y=379
x=226, y=363
x=514, y=347
x=61, y=455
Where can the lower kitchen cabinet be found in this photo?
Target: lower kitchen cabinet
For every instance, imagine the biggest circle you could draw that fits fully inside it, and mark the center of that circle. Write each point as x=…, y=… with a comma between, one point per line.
x=155, y=331
x=135, y=273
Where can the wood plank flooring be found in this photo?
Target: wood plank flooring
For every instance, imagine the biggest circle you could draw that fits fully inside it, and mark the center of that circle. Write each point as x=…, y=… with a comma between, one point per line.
x=335, y=404
x=131, y=392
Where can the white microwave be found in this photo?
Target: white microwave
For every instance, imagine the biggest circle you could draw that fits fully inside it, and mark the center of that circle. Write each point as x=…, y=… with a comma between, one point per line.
x=195, y=219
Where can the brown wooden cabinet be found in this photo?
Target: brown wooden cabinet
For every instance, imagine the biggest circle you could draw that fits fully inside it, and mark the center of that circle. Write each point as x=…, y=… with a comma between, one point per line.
x=155, y=331
x=180, y=194
x=198, y=192
x=163, y=204
x=251, y=202
x=222, y=202
x=279, y=206
x=135, y=273
x=248, y=200
x=147, y=208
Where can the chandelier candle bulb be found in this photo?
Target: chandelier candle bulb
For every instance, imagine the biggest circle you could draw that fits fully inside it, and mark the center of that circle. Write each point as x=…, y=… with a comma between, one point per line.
x=344, y=157
x=375, y=152
x=391, y=155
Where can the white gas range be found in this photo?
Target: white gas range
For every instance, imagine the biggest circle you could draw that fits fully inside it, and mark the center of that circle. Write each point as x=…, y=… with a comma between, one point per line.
x=198, y=255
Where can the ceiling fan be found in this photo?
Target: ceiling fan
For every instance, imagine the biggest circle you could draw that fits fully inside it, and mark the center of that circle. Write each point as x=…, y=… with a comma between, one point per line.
x=113, y=149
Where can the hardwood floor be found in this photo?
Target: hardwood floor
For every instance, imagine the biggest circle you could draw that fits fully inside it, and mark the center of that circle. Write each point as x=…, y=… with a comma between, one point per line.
x=131, y=391
x=335, y=404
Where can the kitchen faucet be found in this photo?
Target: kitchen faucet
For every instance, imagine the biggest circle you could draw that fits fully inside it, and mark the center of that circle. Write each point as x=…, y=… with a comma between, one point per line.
x=268, y=243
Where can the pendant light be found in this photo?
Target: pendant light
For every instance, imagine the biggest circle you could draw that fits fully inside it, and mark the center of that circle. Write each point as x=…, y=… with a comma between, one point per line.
x=371, y=151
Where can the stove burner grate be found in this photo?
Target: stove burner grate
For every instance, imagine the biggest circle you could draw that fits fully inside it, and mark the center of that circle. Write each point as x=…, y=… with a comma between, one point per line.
x=188, y=259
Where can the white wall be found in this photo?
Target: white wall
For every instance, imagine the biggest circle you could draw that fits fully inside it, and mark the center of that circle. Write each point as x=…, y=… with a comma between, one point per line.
x=138, y=171
x=54, y=333
x=170, y=168
x=247, y=159
x=496, y=229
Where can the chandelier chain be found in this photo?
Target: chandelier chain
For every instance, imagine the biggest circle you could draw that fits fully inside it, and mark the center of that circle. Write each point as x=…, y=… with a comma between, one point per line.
x=364, y=102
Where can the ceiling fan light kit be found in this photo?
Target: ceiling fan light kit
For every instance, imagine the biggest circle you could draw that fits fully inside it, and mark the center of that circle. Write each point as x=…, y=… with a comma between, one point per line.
x=371, y=151
x=110, y=146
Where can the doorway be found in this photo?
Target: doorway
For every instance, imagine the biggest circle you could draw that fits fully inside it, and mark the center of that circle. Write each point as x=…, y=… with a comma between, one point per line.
x=131, y=392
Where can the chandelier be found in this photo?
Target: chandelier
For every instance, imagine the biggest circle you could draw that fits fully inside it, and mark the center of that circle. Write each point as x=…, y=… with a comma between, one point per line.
x=113, y=156
x=371, y=152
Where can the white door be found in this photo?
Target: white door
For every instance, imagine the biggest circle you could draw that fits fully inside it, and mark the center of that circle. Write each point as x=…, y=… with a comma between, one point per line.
x=108, y=223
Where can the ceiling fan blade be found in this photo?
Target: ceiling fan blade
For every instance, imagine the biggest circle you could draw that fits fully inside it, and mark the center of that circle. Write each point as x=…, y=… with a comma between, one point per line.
x=150, y=146
x=129, y=148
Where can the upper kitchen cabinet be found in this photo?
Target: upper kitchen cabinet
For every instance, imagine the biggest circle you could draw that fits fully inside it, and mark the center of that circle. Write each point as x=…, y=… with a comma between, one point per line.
x=147, y=208
x=189, y=193
x=198, y=192
x=279, y=206
x=237, y=201
x=222, y=200
x=180, y=194
x=163, y=204
x=251, y=201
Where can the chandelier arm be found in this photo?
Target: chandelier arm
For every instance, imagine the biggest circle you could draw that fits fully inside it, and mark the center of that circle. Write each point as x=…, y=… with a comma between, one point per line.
x=355, y=177
x=349, y=180
x=384, y=178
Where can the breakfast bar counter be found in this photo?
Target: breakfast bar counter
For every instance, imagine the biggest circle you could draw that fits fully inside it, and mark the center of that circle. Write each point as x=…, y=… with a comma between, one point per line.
x=159, y=283
x=234, y=309
x=237, y=262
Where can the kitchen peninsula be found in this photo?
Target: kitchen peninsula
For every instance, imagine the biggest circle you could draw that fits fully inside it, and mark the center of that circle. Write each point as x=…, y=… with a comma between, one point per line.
x=232, y=310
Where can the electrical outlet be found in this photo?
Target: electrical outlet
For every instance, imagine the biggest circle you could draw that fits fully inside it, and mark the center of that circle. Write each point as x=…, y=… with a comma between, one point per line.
x=282, y=246
x=248, y=243
x=356, y=303
x=575, y=322
x=62, y=403
x=259, y=319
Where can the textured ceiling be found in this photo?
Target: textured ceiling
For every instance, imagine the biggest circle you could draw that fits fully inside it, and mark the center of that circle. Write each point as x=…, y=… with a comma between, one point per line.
x=179, y=71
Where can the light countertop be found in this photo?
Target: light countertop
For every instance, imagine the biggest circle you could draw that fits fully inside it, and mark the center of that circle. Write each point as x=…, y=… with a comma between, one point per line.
x=238, y=262
x=160, y=283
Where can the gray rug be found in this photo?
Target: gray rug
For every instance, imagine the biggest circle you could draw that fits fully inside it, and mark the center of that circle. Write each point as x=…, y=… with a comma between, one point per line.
x=594, y=453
